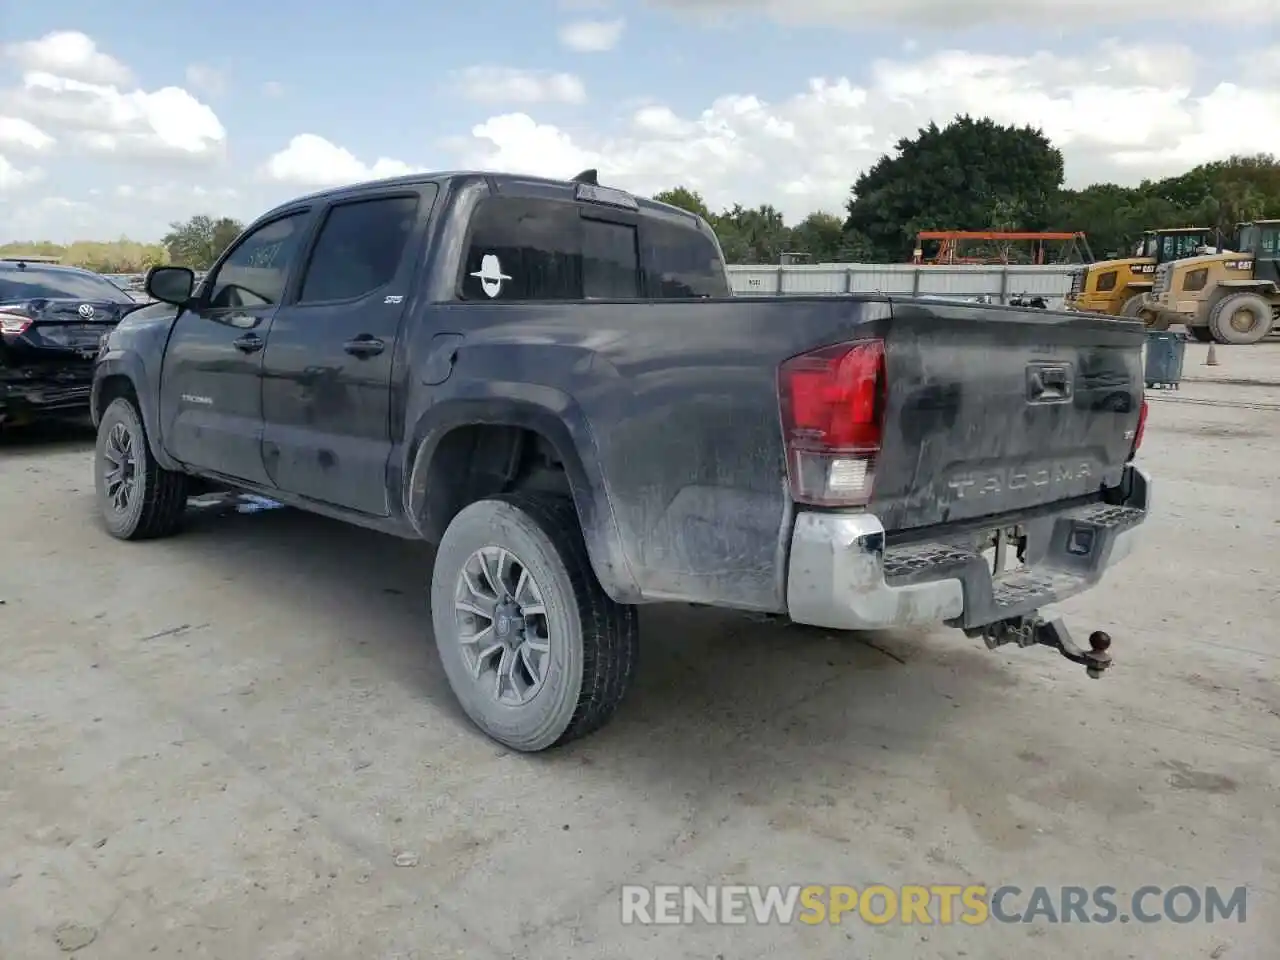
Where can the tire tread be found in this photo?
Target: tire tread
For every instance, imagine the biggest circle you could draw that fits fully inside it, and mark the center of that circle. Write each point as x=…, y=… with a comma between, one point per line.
x=610, y=630
x=165, y=492
x=1218, y=317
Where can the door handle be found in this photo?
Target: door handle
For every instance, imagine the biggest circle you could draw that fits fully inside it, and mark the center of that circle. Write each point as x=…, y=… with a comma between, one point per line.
x=364, y=346
x=249, y=343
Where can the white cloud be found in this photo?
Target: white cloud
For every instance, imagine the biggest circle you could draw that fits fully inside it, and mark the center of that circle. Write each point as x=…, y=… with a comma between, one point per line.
x=951, y=15
x=184, y=196
x=310, y=160
x=592, y=36
x=16, y=132
x=168, y=122
x=207, y=79
x=11, y=178
x=1124, y=113
x=488, y=84
x=69, y=53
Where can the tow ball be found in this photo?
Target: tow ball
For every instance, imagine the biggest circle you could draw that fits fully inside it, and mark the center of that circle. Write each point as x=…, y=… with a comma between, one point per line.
x=1035, y=631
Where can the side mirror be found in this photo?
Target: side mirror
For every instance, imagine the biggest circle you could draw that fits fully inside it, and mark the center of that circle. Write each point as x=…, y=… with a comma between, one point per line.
x=171, y=284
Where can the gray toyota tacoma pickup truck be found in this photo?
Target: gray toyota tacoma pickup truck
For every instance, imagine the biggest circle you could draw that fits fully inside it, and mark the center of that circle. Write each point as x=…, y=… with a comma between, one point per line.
x=551, y=382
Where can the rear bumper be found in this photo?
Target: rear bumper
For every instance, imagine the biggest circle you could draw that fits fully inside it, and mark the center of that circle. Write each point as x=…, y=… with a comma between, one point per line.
x=27, y=399
x=841, y=576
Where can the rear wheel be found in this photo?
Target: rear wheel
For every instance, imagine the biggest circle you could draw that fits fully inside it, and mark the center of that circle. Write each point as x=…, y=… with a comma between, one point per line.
x=534, y=649
x=138, y=499
x=1240, y=318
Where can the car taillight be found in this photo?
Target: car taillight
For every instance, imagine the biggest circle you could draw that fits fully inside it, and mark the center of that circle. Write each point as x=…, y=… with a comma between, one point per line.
x=1142, y=427
x=832, y=410
x=14, y=323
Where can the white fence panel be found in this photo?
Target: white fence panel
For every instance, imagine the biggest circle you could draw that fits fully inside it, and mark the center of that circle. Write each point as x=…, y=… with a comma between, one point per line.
x=998, y=282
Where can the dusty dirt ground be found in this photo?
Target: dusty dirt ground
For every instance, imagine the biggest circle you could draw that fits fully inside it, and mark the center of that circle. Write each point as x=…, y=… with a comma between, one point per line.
x=218, y=745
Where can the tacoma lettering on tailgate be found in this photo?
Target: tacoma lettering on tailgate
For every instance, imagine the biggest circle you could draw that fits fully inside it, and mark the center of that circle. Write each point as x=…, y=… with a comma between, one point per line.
x=981, y=483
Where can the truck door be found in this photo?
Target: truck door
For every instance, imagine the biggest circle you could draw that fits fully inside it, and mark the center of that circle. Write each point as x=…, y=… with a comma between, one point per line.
x=326, y=395
x=210, y=386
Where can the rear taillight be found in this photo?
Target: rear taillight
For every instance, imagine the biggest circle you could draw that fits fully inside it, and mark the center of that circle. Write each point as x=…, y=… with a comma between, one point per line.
x=1142, y=427
x=14, y=324
x=832, y=410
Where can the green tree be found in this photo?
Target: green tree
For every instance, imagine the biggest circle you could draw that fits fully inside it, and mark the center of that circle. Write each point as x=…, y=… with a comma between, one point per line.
x=685, y=199
x=957, y=177
x=1215, y=195
x=821, y=236
x=198, y=242
x=754, y=235
x=115, y=256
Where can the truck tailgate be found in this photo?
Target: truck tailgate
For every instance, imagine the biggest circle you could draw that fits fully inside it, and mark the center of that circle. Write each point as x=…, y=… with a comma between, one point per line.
x=992, y=410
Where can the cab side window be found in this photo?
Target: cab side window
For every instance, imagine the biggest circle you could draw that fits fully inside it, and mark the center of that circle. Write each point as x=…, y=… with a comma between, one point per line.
x=359, y=248
x=523, y=250
x=255, y=273
x=529, y=249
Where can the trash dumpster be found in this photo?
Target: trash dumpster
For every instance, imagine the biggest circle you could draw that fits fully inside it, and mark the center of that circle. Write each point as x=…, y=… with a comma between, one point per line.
x=1163, y=363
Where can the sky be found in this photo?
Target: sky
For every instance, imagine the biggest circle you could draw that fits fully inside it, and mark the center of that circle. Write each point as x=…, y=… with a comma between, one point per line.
x=118, y=118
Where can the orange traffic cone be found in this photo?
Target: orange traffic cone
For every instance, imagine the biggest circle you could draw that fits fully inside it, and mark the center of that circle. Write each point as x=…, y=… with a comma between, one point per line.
x=1212, y=359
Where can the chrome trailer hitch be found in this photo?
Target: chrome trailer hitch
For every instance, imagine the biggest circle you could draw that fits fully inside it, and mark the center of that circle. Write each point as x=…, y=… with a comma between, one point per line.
x=1034, y=630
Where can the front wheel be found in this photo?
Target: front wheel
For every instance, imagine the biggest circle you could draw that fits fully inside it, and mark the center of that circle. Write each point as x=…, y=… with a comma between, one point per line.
x=1240, y=318
x=534, y=649
x=138, y=499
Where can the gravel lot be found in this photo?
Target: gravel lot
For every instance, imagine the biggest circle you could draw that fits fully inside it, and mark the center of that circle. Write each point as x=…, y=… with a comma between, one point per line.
x=218, y=745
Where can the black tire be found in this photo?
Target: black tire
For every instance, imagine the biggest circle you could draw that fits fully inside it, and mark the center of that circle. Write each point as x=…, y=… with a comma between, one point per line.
x=158, y=498
x=1201, y=334
x=1227, y=311
x=592, y=642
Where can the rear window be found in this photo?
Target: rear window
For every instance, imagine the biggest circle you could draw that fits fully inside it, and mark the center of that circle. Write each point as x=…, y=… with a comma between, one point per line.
x=683, y=262
x=610, y=261
x=42, y=283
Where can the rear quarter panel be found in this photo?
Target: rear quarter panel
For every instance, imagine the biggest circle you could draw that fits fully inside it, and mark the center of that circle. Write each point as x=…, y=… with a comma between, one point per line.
x=680, y=403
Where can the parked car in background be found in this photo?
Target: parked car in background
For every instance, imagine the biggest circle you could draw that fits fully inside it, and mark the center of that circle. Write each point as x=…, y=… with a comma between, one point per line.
x=52, y=319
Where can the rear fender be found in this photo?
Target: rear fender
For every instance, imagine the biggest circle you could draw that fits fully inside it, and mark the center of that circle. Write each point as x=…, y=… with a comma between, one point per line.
x=556, y=417
x=1264, y=287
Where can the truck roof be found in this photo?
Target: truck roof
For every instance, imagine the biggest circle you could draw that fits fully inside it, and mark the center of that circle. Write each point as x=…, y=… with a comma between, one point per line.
x=499, y=182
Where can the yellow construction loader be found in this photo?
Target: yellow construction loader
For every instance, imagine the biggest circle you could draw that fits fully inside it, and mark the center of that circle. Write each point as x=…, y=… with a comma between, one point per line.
x=1118, y=287
x=1228, y=297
